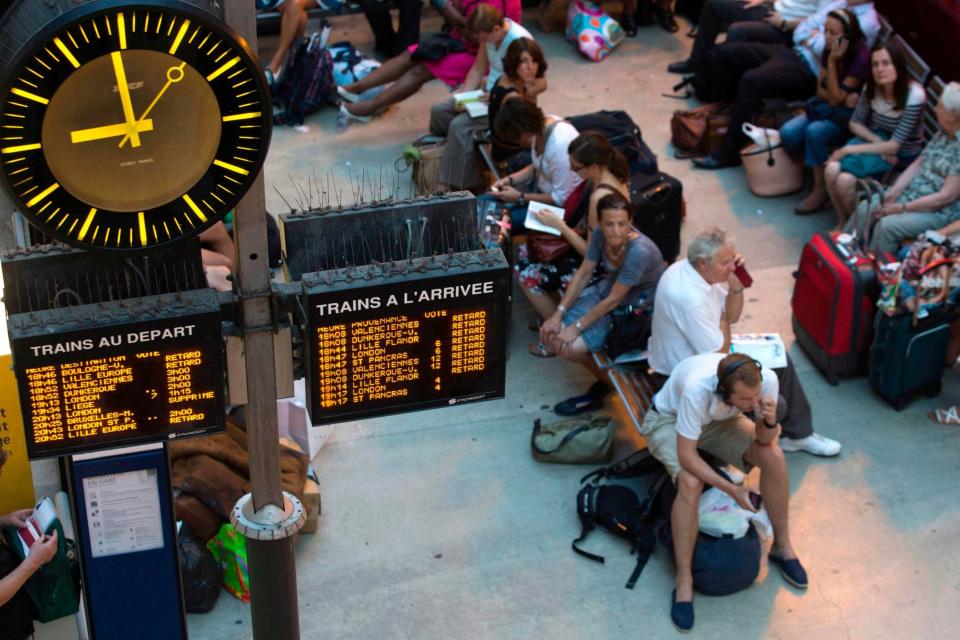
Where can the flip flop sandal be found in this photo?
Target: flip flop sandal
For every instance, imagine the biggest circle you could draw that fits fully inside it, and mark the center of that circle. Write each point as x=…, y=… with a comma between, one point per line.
x=578, y=404
x=539, y=350
x=945, y=416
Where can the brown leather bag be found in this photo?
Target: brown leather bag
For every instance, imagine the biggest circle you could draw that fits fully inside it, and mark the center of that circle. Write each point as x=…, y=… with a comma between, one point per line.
x=546, y=248
x=699, y=132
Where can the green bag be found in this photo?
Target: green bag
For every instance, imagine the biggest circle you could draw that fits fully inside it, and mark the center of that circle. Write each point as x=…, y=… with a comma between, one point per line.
x=229, y=549
x=864, y=165
x=582, y=440
x=54, y=589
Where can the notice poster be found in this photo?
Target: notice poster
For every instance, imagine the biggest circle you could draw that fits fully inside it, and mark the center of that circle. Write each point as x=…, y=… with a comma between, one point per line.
x=123, y=512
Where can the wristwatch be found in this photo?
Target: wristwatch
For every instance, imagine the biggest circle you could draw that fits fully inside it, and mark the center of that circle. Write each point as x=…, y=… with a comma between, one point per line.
x=522, y=200
x=579, y=327
x=768, y=425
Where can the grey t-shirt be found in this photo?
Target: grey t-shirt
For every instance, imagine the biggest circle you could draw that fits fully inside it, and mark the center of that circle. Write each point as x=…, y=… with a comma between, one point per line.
x=640, y=270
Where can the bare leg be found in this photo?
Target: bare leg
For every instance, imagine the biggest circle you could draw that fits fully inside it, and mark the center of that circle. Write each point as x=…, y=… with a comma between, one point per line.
x=408, y=84
x=391, y=70
x=683, y=525
x=953, y=346
x=819, y=192
x=775, y=488
x=831, y=173
x=292, y=23
x=542, y=303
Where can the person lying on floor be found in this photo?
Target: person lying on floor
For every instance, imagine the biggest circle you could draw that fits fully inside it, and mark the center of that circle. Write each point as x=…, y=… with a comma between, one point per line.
x=925, y=196
x=523, y=77
x=823, y=126
x=549, y=179
x=632, y=266
x=888, y=125
x=702, y=406
x=460, y=66
x=762, y=70
x=698, y=300
x=605, y=171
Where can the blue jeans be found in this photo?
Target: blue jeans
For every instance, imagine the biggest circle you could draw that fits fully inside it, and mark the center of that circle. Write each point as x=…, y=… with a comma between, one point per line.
x=815, y=139
x=518, y=214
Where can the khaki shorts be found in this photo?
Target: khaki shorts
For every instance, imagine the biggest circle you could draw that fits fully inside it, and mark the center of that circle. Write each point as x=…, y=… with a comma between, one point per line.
x=728, y=439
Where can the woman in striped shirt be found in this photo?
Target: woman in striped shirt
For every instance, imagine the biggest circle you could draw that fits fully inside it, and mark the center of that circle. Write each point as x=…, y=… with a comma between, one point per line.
x=887, y=123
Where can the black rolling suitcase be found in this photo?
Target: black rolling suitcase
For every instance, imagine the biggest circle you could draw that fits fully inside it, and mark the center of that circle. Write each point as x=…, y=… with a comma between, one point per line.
x=908, y=356
x=659, y=210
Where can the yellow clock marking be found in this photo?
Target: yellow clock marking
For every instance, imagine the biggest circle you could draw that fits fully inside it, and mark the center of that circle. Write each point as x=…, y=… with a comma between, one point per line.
x=86, y=224
x=241, y=83
x=84, y=34
x=24, y=181
x=207, y=205
x=55, y=58
x=231, y=167
x=15, y=115
x=70, y=230
x=133, y=22
x=34, y=73
x=193, y=35
x=66, y=52
x=146, y=23
x=29, y=96
x=226, y=66
x=122, y=30
x=141, y=221
x=179, y=38
x=232, y=180
x=29, y=191
x=25, y=147
x=43, y=194
x=96, y=31
x=247, y=149
x=62, y=220
x=153, y=227
x=166, y=228
x=106, y=238
x=52, y=215
x=173, y=23
x=235, y=74
x=217, y=198
x=159, y=22
x=74, y=42
x=44, y=208
x=96, y=230
x=245, y=93
x=45, y=65
x=242, y=116
x=106, y=20
x=214, y=48
x=17, y=104
x=177, y=222
x=204, y=41
x=225, y=189
x=193, y=207
x=109, y=131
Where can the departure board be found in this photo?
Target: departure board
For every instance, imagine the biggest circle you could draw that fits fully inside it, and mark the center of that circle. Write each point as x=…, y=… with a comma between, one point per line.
x=392, y=338
x=147, y=371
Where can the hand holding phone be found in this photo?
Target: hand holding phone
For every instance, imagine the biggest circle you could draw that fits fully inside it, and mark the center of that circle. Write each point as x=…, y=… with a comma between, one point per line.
x=743, y=276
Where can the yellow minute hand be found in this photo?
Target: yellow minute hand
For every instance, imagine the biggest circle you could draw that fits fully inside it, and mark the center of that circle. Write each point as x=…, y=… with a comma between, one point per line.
x=174, y=75
x=108, y=131
x=124, y=91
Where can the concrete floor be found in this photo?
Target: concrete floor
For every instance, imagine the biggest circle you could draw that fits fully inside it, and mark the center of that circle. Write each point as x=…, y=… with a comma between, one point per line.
x=439, y=524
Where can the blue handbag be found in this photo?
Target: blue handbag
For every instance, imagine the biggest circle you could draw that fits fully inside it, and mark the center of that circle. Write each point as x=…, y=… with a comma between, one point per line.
x=864, y=165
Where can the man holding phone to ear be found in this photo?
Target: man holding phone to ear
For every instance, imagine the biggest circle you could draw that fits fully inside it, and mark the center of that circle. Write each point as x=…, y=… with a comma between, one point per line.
x=701, y=407
x=697, y=301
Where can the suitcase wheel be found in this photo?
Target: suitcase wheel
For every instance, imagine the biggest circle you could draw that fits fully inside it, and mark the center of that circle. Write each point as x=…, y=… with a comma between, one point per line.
x=933, y=390
x=900, y=402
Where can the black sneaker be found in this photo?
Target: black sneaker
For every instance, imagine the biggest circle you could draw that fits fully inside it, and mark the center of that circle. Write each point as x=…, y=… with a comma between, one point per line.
x=683, y=67
x=592, y=399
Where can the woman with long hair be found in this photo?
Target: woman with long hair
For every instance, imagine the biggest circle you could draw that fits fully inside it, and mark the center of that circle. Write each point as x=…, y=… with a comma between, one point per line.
x=524, y=77
x=604, y=170
x=843, y=68
x=887, y=123
x=632, y=266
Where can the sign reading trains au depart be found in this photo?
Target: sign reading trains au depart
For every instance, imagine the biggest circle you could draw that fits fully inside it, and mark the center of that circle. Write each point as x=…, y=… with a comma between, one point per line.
x=90, y=380
x=401, y=337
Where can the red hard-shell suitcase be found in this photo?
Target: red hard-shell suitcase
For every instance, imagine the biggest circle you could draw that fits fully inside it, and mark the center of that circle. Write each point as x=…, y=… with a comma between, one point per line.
x=833, y=304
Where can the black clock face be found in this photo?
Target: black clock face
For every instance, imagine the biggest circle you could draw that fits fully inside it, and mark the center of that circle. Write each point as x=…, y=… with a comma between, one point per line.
x=131, y=126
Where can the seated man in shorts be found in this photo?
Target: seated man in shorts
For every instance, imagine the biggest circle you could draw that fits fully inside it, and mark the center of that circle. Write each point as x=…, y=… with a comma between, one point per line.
x=702, y=406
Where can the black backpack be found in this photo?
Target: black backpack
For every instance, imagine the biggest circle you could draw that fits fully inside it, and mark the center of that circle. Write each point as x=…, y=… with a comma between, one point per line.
x=623, y=499
x=623, y=133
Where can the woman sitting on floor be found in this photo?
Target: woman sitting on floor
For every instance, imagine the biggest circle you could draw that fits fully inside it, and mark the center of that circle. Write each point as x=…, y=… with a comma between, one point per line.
x=887, y=123
x=843, y=68
x=925, y=196
x=452, y=58
x=605, y=171
x=632, y=267
x=549, y=179
x=524, y=69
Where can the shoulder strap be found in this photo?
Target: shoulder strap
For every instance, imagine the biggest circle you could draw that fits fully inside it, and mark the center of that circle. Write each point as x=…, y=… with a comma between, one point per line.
x=563, y=442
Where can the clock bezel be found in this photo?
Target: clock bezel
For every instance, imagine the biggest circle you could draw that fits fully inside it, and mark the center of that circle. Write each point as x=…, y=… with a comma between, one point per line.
x=214, y=211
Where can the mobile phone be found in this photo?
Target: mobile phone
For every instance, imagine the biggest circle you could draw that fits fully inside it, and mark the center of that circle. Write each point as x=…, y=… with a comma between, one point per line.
x=756, y=500
x=743, y=276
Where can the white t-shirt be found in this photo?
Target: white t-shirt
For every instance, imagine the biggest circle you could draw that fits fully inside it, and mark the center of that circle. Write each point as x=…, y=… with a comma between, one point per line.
x=686, y=317
x=495, y=54
x=691, y=394
x=554, y=176
x=796, y=9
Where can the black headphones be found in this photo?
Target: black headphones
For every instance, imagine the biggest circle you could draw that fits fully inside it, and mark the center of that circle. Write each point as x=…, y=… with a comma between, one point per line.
x=722, y=389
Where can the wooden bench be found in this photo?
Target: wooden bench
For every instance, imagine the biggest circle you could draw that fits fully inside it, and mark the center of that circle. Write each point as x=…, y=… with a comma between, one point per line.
x=268, y=22
x=634, y=386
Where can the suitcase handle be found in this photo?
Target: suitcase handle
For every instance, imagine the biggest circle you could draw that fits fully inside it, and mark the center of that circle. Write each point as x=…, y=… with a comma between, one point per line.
x=659, y=194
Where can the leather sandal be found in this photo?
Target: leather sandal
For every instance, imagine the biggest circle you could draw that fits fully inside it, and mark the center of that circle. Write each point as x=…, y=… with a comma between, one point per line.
x=540, y=350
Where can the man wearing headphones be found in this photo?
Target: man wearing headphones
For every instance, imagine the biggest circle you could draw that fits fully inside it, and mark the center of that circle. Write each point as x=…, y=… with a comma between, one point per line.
x=702, y=406
x=698, y=299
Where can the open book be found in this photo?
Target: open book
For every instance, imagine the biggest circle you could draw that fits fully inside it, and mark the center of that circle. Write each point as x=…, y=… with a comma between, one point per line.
x=535, y=209
x=472, y=102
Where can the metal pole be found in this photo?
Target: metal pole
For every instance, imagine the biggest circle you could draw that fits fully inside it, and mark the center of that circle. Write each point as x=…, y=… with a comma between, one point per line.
x=268, y=520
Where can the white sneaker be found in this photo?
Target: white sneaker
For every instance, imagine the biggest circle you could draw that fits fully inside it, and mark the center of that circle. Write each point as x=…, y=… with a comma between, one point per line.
x=346, y=116
x=347, y=95
x=815, y=444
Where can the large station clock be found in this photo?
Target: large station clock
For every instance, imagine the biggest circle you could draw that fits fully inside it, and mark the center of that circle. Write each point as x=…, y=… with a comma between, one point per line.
x=127, y=125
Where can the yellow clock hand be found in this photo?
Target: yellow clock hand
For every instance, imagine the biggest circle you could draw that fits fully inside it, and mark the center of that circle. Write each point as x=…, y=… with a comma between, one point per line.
x=124, y=91
x=109, y=131
x=174, y=75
